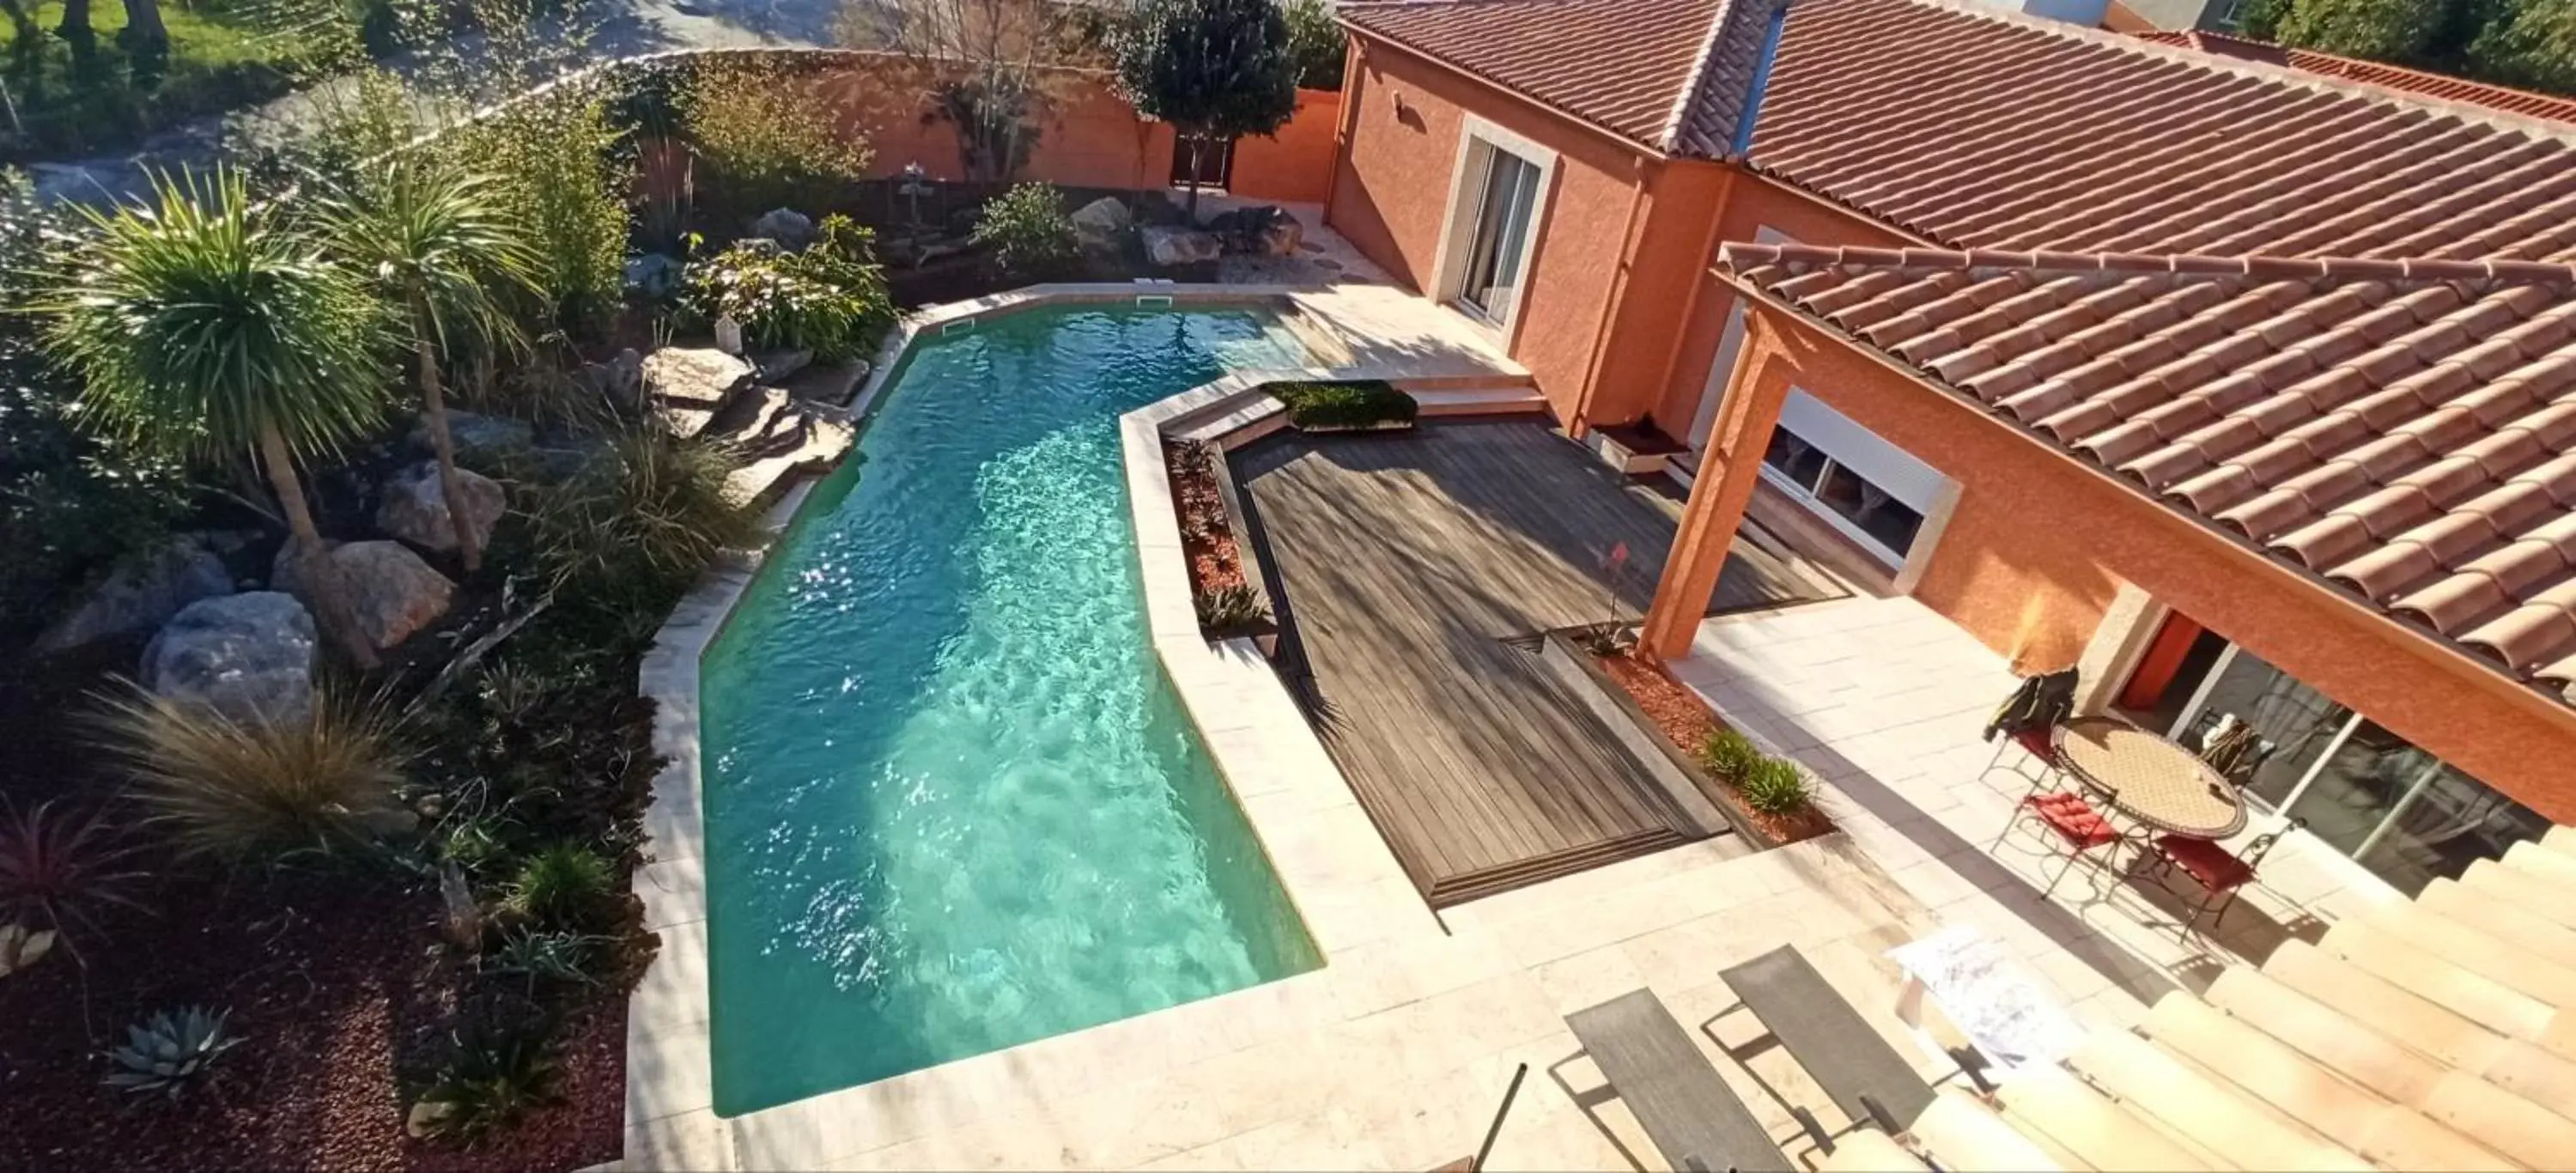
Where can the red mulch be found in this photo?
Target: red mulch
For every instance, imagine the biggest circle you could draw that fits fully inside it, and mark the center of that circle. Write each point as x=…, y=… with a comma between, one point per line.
x=335, y=986
x=1688, y=724
x=1206, y=537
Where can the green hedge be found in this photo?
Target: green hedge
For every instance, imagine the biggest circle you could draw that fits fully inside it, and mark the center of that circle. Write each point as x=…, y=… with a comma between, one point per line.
x=1357, y=404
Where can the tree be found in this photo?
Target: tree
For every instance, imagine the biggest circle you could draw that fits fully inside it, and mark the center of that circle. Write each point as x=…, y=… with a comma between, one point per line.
x=1317, y=42
x=2381, y=30
x=203, y=324
x=448, y=259
x=2530, y=43
x=144, y=31
x=1214, y=69
x=985, y=65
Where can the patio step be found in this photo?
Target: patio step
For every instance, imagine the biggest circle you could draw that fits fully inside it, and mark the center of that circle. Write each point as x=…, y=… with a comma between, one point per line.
x=2057, y=1108
x=1965, y=1136
x=2560, y=839
x=2538, y=895
x=2542, y=861
x=2445, y=1037
x=1436, y=401
x=2473, y=996
x=1870, y=1151
x=2485, y=1112
x=2510, y=923
x=2337, y=1109
x=2477, y=952
x=2239, y=1129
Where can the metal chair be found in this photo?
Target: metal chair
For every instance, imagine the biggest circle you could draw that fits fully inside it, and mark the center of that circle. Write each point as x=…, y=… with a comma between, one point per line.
x=2220, y=874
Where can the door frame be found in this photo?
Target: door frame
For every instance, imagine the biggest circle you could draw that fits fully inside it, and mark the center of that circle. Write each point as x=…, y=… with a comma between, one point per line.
x=1477, y=139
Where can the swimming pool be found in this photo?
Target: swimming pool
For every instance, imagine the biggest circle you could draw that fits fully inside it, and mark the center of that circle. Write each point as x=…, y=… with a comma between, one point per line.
x=952, y=803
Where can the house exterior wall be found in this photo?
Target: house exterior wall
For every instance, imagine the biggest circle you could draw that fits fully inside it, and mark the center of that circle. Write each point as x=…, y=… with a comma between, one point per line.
x=2037, y=546
x=1392, y=191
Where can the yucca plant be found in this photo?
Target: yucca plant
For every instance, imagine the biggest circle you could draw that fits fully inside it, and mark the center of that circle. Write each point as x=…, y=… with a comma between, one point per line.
x=493, y=1079
x=203, y=323
x=246, y=791
x=560, y=886
x=448, y=258
x=1729, y=755
x=171, y=1054
x=542, y=955
x=1775, y=786
x=60, y=871
x=648, y=509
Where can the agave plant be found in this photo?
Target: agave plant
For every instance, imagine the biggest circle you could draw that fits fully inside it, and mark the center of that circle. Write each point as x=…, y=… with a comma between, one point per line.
x=61, y=872
x=1231, y=606
x=169, y=1054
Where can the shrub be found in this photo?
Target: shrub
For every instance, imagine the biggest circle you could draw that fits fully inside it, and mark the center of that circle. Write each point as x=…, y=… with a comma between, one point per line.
x=643, y=514
x=494, y=1077
x=1358, y=404
x=560, y=887
x=61, y=872
x=562, y=180
x=541, y=956
x=171, y=1054
x=1028, y=232
x=259, y=791
x=767, y=139
x=1774, y=786
x=1230, y=607
x=1729, y=755
x=830, y=299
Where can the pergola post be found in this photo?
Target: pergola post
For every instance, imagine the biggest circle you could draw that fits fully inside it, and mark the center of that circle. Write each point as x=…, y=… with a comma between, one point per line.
x=1720, y=491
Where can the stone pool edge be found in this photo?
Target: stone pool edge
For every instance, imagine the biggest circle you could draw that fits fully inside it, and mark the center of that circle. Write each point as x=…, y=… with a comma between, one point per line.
x=1339, y=875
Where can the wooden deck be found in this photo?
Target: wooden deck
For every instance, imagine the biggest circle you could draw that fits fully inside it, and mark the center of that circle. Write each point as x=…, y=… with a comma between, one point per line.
x=1405, y=566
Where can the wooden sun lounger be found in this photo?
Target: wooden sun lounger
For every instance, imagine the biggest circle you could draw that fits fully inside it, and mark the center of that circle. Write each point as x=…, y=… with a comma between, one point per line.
x=1852, y=1062
x=1695, y=1120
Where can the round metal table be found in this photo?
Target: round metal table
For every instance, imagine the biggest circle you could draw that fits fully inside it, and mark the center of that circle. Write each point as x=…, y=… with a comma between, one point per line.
x=2150, y=779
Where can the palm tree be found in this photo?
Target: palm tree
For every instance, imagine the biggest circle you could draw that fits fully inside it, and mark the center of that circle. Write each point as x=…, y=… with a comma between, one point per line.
x=442, y=247
x=202, y=323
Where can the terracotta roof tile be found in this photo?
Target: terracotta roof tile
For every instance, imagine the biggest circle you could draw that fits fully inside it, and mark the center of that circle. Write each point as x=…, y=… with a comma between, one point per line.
x=2393, y=77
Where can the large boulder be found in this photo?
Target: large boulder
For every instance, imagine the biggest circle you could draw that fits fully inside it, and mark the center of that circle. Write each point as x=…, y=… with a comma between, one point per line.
x=248, y=656
x=392, y=593
x=1181, y=246
x=482, y=437
x=1102, y=225
x=141, y=595
x=620, y=380
x=415, y=507
x=653, y=276
x=686, y=385
x=1260, y=231
x=793, y=230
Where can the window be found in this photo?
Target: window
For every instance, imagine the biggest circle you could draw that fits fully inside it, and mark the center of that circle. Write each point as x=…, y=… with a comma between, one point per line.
x=2402, y=813
x=1509, y=193
x=1867, y=510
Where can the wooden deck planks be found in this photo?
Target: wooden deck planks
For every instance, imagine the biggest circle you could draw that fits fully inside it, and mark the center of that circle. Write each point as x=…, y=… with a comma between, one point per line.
x=1403, y=564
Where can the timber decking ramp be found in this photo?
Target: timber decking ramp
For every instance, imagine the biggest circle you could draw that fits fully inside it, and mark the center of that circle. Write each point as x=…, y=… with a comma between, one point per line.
x=1411, y=569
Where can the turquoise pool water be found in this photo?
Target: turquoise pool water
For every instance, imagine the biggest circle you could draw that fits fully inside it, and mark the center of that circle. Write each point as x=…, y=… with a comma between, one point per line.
x=952, y=803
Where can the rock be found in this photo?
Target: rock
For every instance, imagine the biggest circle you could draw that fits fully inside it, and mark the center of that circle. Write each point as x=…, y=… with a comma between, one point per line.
x=391, y=591
x=685, y=385
x=482, y=436
x=653, y=275
x=620, y=380
x=1155, y=208
x=773, y=365
x=793, y=230
x=141, y=595
x=415, y=507
x=1102, y=225
x=1181, y=246
x=1260, y=231
x=248, y=656
x=1282, y=237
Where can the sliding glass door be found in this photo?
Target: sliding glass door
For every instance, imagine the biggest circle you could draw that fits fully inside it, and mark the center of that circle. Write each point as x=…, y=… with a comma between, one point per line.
x=1494, y=256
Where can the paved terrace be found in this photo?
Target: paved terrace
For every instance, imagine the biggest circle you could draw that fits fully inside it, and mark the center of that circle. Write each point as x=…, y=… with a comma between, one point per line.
x=1414, y=567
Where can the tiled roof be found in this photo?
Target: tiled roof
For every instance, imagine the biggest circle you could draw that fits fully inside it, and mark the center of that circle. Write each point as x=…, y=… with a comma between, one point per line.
x=1668, y=74
x=2405, y=429
x=2394, y=77
x=1977, y=129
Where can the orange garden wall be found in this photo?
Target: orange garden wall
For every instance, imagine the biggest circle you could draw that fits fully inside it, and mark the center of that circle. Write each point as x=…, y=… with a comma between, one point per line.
x=2038, y=545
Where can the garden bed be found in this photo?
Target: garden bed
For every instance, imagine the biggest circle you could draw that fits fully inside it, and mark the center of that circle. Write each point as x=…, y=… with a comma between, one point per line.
x=1654, y=699
x=1232, y=602
x=1360, y=405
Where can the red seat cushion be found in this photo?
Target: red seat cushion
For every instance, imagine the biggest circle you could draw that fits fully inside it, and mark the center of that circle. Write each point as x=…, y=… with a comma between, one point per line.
x=2036, y=742
x=2074, y=820
x=2208, y=863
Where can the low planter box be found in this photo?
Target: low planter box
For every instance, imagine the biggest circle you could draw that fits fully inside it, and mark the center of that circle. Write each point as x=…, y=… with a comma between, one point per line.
x=1216, y=545
x=1364, y=405
x=1656, y=741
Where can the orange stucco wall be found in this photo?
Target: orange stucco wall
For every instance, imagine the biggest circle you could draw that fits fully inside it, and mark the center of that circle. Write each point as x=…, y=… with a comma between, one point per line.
x=2038, y=545
x=1392, y=188
x=1088, y=136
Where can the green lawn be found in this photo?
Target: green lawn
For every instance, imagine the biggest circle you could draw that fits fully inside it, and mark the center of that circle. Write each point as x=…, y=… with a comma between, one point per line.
x=67, y=106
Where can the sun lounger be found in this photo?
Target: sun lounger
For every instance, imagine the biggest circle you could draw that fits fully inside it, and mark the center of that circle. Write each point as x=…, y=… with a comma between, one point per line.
x=1695, y=1120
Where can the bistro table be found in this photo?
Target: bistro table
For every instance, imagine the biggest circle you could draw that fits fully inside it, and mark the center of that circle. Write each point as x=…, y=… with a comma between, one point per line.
x=2161, y=785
